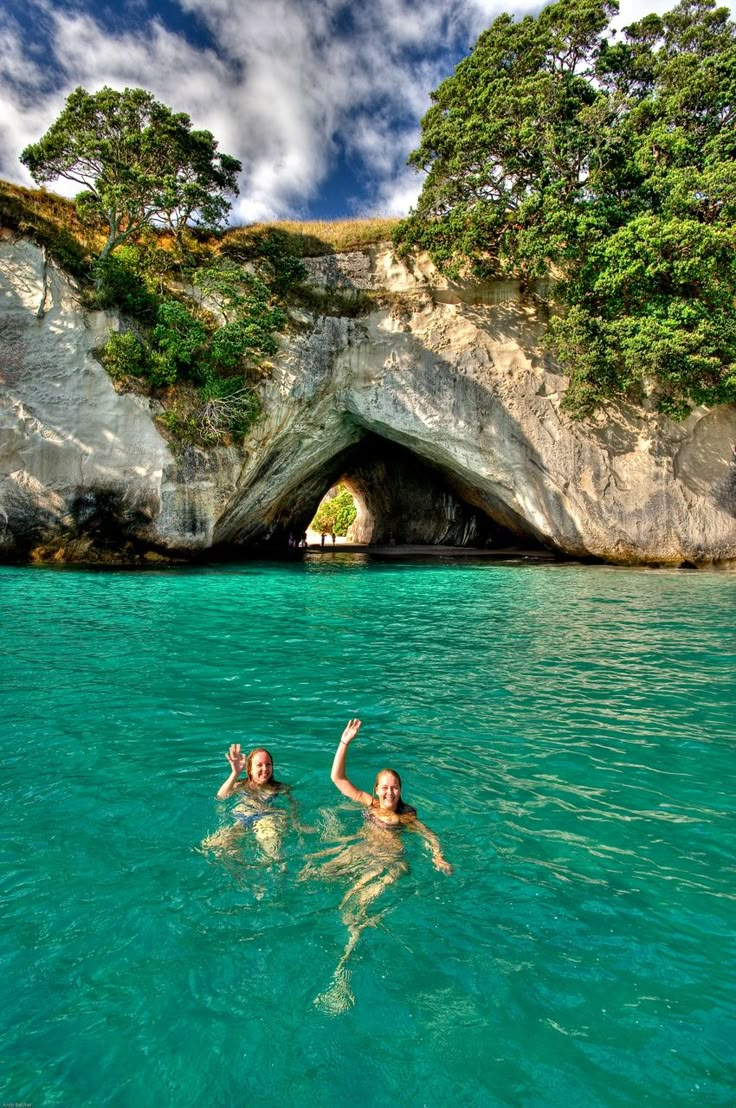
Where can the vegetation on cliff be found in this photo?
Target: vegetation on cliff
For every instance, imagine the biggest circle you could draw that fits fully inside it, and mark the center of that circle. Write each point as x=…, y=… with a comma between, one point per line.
x=198, y=322
x=204, y=319
x=203, y=310
x=138, y=163
x=610, y=162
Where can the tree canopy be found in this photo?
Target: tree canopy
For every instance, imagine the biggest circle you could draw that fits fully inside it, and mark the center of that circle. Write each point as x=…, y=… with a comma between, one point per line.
x=138, y=163
x=336, y=513
x=558, y=147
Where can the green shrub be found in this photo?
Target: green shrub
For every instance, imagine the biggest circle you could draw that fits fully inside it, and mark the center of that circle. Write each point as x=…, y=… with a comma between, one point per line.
x=162, y=370
x=336, y=514
x=182, y=426
x=124, y=355
x=228, y=345
x=178, y=335
x=251, y=318
x=118, y=285
x=222, y=283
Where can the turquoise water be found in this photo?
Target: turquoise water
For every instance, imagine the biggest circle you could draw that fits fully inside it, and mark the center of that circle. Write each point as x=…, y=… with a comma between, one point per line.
x=568, y=733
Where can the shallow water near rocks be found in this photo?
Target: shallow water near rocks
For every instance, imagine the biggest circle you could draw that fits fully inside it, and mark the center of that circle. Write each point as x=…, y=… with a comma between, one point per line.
x=567, y=731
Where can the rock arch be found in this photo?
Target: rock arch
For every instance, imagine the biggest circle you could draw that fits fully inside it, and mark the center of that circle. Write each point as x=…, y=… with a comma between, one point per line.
x=401, y=498
x=440, y=405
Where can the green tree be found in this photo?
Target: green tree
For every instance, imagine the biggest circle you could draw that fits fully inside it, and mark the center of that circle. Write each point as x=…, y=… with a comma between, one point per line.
x=137, y=162
x=345, y=511
x=554, y=148
x=335, y=514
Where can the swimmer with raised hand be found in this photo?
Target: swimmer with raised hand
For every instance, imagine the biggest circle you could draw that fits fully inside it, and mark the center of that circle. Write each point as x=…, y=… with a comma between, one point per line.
x=258, y=766
x=385, y=807
x=257, y=790
x=373, y=861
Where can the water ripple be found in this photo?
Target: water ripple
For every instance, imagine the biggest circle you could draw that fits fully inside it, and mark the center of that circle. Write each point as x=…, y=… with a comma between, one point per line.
x=567, y=732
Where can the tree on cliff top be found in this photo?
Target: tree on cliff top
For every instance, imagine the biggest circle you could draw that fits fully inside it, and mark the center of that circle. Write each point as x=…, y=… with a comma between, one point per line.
x=137, y=161
x=610, y=162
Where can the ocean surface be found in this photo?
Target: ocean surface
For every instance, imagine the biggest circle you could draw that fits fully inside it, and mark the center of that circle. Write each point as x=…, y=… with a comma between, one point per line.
x=569, y=734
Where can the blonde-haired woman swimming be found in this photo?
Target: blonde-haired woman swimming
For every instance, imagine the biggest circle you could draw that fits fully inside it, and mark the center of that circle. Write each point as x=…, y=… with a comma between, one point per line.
x=375, y=858
x=256, y=792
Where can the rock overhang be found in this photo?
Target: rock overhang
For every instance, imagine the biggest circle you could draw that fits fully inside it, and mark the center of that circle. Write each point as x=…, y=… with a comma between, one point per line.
x=447, y=388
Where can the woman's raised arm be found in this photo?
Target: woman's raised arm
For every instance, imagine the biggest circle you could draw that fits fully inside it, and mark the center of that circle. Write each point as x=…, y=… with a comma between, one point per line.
x=338, y=776
x=237, y=760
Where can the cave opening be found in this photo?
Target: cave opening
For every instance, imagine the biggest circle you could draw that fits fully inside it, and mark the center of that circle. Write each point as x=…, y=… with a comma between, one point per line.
x=402, y=499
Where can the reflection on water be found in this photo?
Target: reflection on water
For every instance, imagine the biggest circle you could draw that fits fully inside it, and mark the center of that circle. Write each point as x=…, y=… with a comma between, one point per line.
x=566, y=730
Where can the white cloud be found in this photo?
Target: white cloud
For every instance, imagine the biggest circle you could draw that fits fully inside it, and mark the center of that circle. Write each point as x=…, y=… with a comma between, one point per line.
x=321, y=87
x=22, y=117
x=395, y=195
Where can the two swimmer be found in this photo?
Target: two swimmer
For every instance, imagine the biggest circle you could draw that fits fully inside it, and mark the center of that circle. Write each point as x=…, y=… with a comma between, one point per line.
x=371, y=860
x=386, y=809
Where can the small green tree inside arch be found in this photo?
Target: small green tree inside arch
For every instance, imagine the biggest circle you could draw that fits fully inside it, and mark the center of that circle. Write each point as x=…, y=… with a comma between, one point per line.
x=335, y=514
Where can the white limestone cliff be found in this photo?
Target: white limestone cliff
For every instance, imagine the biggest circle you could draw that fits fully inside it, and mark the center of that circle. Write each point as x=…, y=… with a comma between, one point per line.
x=439, y=408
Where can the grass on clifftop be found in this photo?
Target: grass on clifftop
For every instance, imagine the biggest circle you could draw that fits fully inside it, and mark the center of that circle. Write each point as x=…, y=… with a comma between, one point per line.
x=311, y=239
x=53, y=220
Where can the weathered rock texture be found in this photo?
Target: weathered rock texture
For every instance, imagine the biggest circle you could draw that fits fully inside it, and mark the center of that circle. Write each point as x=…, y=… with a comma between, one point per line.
x=440, y=409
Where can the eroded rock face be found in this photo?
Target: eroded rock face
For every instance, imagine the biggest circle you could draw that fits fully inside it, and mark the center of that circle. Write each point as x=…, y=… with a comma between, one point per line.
x=84, y=469
x=440, y=408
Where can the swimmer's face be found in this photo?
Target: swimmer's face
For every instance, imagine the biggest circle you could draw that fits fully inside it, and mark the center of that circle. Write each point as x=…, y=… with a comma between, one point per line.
x=261, y=768
x=388, y=791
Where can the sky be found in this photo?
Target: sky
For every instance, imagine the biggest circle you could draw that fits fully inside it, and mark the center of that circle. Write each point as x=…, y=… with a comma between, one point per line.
x=321, y=100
